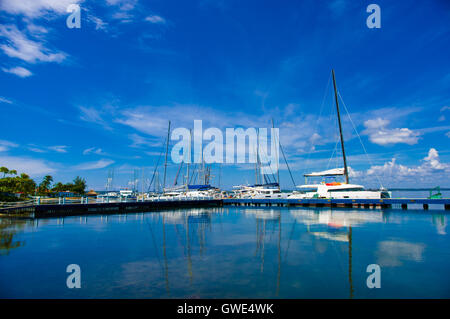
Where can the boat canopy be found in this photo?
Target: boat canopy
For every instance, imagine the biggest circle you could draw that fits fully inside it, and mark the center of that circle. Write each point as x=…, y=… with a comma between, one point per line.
x=330, y=172
x=199, y=187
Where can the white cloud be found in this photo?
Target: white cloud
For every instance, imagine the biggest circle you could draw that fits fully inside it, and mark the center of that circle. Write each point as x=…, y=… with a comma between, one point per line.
x=125, y=7
x=99, y=23
x=432, y=161
x=30, y=166
x=19, y=71
x=36, y=8
x=36, y=30
x=144, y=120
x=36, y=150
x=155, y=19
x=139, y=141
x=379, y=134
x=6, y=145
x=123, y=16
x=93, y=150
x=94, y=165
x=5, y=100
x=21, y=47
x=93, y=115
x=59, y=148
x=431, y=165
x=447, y=134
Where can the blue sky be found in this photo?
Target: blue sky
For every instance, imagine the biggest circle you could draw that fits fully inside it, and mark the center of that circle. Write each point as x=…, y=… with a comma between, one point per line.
x=83, y=101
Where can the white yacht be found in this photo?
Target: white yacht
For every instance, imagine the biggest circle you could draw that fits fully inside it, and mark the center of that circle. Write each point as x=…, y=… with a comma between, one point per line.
x=126, y=193
x=109, y=195
x=336, y=190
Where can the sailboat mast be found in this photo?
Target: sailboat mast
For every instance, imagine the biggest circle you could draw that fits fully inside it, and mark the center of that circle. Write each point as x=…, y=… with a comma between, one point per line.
x=340, y=128
x=256, y=161
x=189, y=159
x=278, y=169
x=165, y=161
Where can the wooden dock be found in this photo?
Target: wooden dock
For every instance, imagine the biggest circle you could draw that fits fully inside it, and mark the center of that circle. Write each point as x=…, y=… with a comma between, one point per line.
x=386, y=203
x=89, y=208
x=77, y=209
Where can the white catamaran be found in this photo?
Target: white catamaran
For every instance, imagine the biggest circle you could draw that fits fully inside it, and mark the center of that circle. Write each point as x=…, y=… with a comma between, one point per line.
x=259, y=191
x=336, y=189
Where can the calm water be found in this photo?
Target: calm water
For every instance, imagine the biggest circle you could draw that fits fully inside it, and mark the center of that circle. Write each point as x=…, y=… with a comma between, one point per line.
x=229, y=252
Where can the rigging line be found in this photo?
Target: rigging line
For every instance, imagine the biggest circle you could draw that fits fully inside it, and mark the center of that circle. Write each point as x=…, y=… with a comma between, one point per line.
x=156, y=167
x=332, y=154
x=325, y=94
x=359, y=137
x=154, y=245
x=178, y=173
x=270, y=167
x=285, y=160
x=194, y=171
x=290, y=238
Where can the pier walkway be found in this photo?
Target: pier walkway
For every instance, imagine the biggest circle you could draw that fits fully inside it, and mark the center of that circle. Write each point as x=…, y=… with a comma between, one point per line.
x=402, y=203
x=84, y=206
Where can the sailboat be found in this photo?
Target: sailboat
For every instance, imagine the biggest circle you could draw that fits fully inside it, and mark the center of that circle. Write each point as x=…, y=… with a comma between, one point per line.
x=336, y=190
x=186, y=189
x=266, y=190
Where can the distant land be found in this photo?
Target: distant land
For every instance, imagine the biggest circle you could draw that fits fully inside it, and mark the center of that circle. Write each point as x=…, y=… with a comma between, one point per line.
x=418, y=189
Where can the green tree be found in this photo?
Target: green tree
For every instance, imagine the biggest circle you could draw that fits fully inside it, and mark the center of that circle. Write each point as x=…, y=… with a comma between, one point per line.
x=4, y=170
x=9, y=186
x=79, y=185
x=44, y=186
x=58, y=187
x=25, y=185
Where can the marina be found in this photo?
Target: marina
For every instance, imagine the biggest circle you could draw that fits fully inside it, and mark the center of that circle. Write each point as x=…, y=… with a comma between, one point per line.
x=224, y=158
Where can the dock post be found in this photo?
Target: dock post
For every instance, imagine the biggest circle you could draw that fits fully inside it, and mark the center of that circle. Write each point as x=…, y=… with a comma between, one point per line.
x=404, y=206
x=447, y=206
x=425, y=206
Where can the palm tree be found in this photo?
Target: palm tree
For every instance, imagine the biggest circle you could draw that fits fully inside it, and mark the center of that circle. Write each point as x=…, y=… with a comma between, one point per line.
x=45, y=184
x=4, y=170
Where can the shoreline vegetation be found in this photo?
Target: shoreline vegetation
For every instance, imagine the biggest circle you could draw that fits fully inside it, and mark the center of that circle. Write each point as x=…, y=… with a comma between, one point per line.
x=14, y=187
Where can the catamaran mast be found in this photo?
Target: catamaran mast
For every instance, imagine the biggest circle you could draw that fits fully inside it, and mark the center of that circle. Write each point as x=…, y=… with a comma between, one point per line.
x=340, y=128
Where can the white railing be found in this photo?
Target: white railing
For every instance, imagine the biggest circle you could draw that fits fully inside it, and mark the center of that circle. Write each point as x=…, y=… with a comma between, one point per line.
x=88, y=200
x=16, y=204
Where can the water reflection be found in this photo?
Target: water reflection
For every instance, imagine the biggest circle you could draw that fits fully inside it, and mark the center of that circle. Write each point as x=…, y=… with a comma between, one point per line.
x=8, y=229
x=394, y=252
x=195, y=222
x=229, y=252
x=440, y=221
